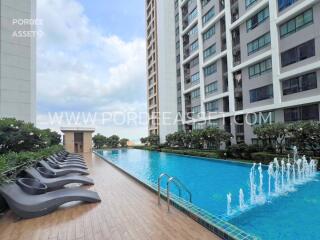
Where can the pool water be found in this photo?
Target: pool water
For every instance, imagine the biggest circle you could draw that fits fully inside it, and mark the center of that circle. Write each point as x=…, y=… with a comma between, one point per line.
x=293, y=216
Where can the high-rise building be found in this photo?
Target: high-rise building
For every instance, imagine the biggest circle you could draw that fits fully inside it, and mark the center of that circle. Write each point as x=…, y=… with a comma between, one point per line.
x=18, y=59
x=160, y=40
x=241, y=63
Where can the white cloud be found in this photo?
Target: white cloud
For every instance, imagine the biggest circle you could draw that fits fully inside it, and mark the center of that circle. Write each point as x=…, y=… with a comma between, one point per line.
x=80, y=69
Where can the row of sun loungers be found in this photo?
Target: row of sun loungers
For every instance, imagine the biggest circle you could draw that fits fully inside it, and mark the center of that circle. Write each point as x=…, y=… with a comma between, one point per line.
x=40, y=190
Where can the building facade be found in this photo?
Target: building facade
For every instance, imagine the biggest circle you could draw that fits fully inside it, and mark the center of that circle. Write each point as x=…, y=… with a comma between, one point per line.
x=77, y=139
x=240, y=63
x=18, y=60
x=160, y=41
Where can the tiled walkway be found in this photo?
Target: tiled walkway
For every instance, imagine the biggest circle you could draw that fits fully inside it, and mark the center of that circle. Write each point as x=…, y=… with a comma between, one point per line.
x=127, y=211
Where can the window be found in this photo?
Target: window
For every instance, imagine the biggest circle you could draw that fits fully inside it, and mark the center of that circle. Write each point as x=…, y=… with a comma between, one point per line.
x=257, y=19
x=177, y=17
x=250, y=2
x=204, y=2
x=213, y=123
x=195, y=78
x=196, y=110
x=210, y=69
x=260, y=68
x=194, y=62
x=177, y=31
x=261, y=93
x=176, y=3
x=198, y=125
x=195, y=94
x=206, y=18
x=192, y=15
x=178, y=72
x=209, y=51
x=296, y=23
x=212, y=87
x=299, y=53
x=151, y=91
x=212, y=106
x=299, y=84
x=179, y=100
x=178, y=58
x=193, y=31
x=282, y=4
x=303, y=113
x=194, y=46
x=209, y=33
x=259, y=43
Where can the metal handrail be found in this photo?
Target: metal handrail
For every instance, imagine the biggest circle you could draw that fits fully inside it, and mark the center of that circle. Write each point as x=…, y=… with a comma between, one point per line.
x=159, y=183
x=177, y=183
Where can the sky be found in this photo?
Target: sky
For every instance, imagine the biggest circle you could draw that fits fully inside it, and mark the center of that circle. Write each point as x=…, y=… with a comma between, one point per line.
x=91, y=68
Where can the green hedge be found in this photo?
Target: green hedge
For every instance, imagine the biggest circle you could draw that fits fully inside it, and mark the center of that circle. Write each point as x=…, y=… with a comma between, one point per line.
x=13, y=161
x=238, y=154
x=149, y=148
x=265, y=157
x=193, y=152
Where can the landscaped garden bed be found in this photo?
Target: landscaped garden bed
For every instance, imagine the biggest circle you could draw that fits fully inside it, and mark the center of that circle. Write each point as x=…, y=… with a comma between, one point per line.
x=23, y=145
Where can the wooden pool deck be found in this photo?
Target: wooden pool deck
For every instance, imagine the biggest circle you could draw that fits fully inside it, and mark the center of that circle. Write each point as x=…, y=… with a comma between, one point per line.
x=127, y=211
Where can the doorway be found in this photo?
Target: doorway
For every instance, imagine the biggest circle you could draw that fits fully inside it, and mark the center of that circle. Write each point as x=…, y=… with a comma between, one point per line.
x=78, y=142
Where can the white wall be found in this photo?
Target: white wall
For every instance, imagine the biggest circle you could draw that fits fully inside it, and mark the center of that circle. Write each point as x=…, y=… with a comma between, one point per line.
x=18, y=62
x=167, y=84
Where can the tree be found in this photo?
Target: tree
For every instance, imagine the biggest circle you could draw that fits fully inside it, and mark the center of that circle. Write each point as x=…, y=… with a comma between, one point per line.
x=214, y=137
x=113, y=141
x=270, y=133
x=144, y=140
x=124, y=142
x=154, y=140
x=50, y=137
x=17, y=136
x=306, y=136
x=199, y=139
x=175, y=139
x=99, y=140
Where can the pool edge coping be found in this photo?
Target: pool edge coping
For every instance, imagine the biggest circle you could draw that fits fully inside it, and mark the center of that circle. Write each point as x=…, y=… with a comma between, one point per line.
x=196, y=213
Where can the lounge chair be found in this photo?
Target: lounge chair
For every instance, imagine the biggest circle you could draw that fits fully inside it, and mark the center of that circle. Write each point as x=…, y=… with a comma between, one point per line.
x=57, y=165
x=64, y=171
x=29, y=206
x=58, y=182
x=66, y=161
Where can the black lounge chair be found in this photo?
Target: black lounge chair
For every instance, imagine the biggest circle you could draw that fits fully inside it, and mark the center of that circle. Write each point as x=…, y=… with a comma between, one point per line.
x=66, y=161
x=57, y=182
x=73, y=155
x=57, y=165
x=29, y=206
x=64, y=171
x=61, y=159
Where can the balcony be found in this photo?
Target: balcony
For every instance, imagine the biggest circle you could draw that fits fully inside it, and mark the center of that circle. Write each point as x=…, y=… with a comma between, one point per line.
x=234, y=10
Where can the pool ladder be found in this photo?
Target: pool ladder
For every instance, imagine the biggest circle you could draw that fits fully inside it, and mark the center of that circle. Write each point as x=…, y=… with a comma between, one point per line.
x=178, y=184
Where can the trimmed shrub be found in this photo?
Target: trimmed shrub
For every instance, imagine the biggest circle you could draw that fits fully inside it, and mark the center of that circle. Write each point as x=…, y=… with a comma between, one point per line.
x=265, y=157
x=13, y=161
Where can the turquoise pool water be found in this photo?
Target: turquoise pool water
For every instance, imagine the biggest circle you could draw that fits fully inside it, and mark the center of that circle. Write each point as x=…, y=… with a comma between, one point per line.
x=293, y=216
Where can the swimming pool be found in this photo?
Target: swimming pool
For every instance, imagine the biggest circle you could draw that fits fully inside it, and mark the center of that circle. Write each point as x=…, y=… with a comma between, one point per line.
x=288, y=217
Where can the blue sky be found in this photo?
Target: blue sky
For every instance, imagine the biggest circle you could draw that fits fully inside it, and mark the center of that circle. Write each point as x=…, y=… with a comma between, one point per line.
x=124, y=18
x=91, y=59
